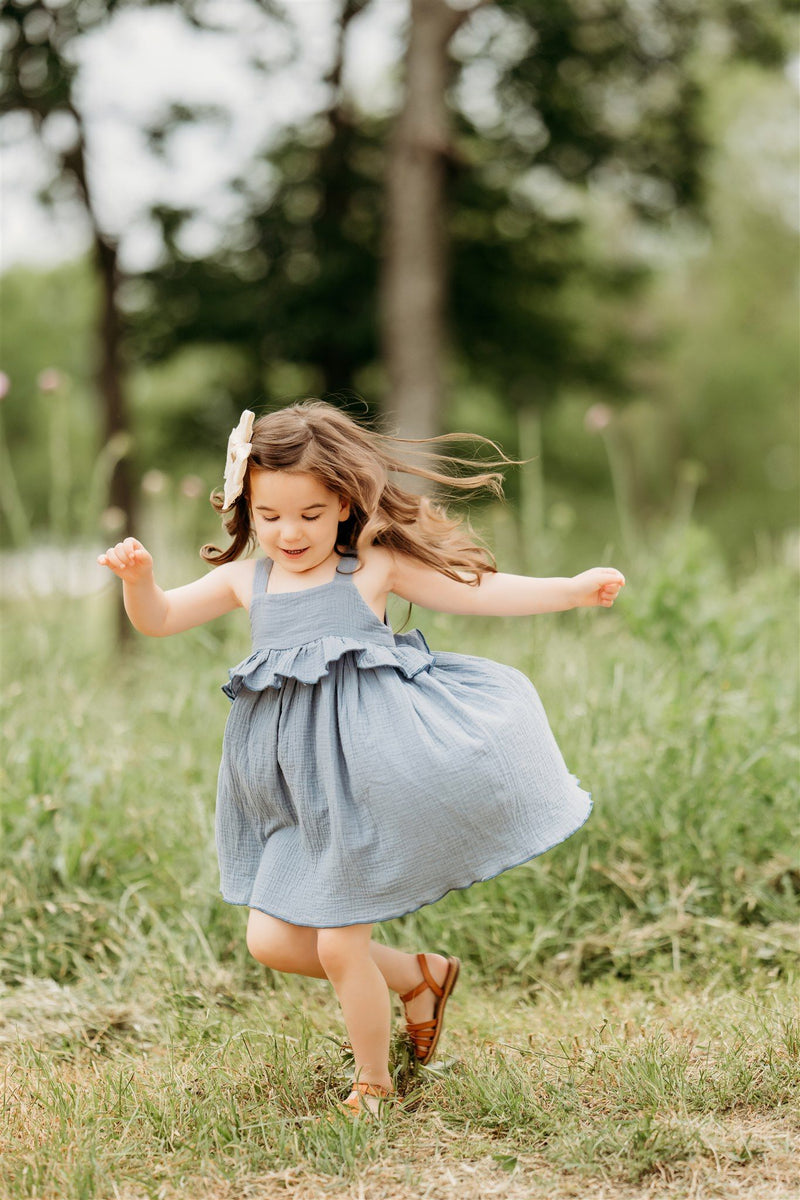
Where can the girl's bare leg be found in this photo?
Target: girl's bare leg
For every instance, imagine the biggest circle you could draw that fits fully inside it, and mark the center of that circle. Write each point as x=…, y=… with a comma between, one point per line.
x=294, y=949
x=362, y=992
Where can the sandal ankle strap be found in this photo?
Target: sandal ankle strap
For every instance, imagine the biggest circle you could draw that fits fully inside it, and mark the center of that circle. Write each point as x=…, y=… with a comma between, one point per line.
x=373, y=1089
x=427, y=982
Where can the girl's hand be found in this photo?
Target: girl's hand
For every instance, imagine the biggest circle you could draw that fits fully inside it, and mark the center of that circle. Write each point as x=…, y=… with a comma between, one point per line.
x=129, y=560
x=598, y=586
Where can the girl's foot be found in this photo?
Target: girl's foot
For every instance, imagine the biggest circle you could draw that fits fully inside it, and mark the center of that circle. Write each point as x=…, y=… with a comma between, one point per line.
x=424, y=1003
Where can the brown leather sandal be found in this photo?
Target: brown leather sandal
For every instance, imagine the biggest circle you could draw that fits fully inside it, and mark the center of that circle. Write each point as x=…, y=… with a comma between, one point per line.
x=425, y=1034
x=354, y=1106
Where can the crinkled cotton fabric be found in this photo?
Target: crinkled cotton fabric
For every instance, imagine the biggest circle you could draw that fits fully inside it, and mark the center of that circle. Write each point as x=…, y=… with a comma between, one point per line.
x=364, y=776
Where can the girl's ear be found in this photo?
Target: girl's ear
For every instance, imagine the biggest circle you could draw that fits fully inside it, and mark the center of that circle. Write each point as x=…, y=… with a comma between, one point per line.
x=344, y=509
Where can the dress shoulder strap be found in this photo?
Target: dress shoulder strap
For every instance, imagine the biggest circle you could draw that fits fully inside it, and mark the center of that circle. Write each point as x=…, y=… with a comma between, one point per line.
x=345, y=567
x=261, y=575
x=344, y=572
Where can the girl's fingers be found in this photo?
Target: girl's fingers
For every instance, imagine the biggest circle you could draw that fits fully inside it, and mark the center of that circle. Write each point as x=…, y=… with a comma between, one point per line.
x=126, y=551
x=126, y=556
x=608, y=594
x=119, y=559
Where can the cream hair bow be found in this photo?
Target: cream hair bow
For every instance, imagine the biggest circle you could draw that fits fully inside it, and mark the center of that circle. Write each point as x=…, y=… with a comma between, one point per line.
x=239, y=447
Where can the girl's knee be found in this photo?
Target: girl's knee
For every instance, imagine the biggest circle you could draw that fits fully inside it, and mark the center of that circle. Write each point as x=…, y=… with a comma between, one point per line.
x=338, y=947
x=268, y=938
x=257, y=940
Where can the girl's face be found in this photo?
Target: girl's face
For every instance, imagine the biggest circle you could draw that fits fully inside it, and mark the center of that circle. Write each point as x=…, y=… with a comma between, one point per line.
x=293, y=511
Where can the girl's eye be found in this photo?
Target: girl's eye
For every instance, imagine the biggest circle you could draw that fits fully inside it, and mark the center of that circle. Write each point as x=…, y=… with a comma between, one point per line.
x=316, y=518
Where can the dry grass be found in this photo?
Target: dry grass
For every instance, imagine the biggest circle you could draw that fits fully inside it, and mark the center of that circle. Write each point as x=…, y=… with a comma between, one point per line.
x=607, y=1092
x=420, y=1171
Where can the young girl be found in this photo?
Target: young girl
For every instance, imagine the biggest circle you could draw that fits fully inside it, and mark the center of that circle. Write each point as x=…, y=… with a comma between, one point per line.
x=362, y=775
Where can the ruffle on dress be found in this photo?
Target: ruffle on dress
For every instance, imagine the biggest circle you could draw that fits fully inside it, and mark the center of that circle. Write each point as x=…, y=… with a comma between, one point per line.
x=268, y=668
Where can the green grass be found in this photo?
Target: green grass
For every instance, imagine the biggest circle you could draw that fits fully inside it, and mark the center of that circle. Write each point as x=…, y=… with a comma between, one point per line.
x=627, y=1012
x=208, y=1093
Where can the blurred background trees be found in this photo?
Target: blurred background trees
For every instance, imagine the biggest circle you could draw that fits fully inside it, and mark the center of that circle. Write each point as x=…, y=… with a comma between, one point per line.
x=572, y=234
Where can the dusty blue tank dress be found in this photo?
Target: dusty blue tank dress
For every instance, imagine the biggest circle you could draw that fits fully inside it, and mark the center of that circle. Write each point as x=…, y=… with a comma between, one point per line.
x=363, y=776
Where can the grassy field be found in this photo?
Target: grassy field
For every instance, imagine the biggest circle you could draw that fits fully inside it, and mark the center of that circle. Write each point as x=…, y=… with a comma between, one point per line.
x=626, y=1022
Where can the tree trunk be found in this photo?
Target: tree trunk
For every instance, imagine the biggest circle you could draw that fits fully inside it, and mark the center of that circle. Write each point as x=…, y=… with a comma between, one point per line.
x=108, y=371
x=413, y=283
x=112, y=396
x=336, y=363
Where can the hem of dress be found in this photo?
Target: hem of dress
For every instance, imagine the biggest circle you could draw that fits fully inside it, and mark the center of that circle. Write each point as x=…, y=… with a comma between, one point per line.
x=458, y=887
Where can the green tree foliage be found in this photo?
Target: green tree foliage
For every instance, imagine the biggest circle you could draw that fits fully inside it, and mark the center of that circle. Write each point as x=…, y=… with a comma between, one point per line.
x=540, y=298
x=295, y=281
x=39, y=77
x=729, y=383
x=589, y=97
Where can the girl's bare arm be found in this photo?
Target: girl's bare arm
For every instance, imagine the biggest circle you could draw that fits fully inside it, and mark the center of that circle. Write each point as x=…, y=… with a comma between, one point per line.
x=159, y=613
x=500, y=595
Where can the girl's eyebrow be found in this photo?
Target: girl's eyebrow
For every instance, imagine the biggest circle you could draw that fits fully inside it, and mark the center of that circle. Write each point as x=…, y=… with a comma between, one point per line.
x=266, y=507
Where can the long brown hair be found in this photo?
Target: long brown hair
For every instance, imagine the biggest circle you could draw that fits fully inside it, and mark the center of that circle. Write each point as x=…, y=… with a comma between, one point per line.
x=354, y=461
